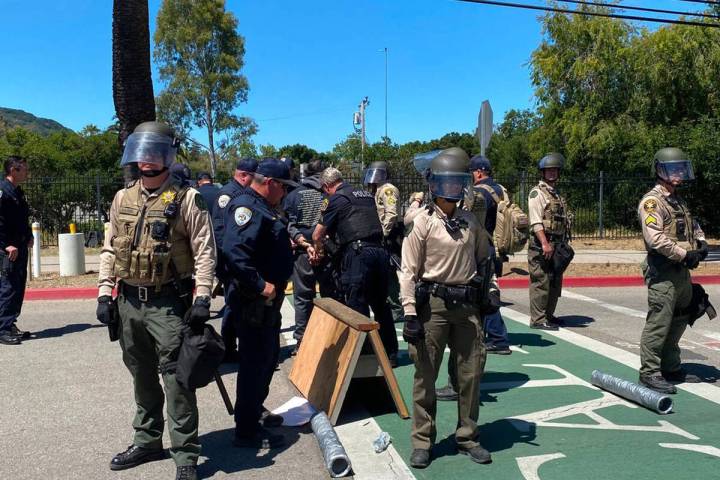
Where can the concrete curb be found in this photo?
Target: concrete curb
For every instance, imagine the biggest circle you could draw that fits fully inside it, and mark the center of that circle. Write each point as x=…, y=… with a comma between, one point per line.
x=75, y=293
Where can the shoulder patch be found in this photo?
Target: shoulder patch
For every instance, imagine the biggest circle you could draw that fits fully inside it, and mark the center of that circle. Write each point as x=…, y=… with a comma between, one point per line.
x=650, y=219
x=533, y=194
x=223, y=200
x=200, y=202
x=390, y=198
x=650, y=205
x=324, y=204
x=242, y=216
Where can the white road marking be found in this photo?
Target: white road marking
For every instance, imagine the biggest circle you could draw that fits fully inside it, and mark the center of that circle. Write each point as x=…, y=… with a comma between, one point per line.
x=529, y=466
x=632, y=360
x=706, y=449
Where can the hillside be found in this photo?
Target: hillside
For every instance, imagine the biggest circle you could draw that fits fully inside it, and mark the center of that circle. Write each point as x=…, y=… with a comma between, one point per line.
x=10, y=118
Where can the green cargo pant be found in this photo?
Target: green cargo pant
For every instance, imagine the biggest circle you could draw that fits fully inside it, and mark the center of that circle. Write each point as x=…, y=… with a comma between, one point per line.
x=669, y=291
x=150, y=339
x=545, y=288
x=461, y=329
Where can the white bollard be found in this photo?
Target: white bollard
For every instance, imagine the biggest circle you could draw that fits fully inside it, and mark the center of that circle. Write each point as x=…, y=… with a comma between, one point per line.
x=36, y=250
x=72, y=254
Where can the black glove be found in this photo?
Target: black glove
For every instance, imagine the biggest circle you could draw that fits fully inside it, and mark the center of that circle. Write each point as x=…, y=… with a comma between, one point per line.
x=703, y=249
x=493, y=302
x=199, y=313
x=105, y=312
x=413, y=331
x=692, y=259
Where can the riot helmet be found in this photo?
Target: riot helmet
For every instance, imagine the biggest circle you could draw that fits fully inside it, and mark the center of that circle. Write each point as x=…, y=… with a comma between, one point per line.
x=552, y=160
x=151, y=142
x=376, y=174
x=449, y=175
x=672, y=165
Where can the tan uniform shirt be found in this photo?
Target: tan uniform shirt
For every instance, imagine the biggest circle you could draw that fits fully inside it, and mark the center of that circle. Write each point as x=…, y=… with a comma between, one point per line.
x=654, y=216
x=429, y=253
x=386, y=200
x=196, y=223
x=536, y=207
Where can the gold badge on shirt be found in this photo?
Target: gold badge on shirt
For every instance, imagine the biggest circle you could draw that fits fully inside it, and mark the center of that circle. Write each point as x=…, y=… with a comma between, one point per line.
x=167, y=197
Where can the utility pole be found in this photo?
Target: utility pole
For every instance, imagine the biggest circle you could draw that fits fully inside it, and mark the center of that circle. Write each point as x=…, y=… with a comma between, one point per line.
x=359, y=123
x=386, y=88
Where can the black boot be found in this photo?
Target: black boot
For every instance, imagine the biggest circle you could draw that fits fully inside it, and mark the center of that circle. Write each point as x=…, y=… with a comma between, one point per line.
x=446, y=394
x=477, y=454
x=134, y=456
x=658, y=383
x=543, y=326
x=420, y=458
x=14, y=330
x=186, y=472
x=8, y=338
x=269, y=419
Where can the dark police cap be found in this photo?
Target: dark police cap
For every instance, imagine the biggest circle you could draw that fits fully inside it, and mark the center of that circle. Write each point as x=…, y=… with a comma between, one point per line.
x=181, y=171
x=247, y=165
x=480, y=162
x=275, y=169
x=289, y=161
x=204, y=176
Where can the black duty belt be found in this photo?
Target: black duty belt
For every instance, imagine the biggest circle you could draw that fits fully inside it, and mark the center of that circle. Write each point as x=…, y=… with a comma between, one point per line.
x=358, y=244
x=145, y=294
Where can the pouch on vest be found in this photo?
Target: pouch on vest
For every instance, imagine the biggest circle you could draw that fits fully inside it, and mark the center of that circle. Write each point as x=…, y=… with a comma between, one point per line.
x=512, y=226
x=121, y=246
x=199, y=357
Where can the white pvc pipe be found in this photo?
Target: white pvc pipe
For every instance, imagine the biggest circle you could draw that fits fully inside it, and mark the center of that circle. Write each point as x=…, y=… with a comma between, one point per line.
x=72, y=254
x=36, y=250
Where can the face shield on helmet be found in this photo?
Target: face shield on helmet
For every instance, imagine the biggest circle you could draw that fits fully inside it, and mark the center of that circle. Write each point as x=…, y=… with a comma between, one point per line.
x=450, y=186
x=678, y=171
x=149, y=147
x=376, y=176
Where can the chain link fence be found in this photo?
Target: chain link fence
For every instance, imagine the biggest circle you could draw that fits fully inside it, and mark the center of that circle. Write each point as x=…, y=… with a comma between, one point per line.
x=602, y=206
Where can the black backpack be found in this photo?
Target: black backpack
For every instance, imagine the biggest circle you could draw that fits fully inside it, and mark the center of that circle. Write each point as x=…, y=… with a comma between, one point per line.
x=199, y=357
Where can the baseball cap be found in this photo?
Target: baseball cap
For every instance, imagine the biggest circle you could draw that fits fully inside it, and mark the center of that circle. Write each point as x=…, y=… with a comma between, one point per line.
x=247, y=165
x=275, y=169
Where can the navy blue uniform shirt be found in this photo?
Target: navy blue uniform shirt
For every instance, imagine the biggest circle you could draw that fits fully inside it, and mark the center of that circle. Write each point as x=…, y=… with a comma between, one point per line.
x=256, y=244
x=228, y=191
x=336, y=209
x=491, y=217
x=14, y=213
x=209, y=193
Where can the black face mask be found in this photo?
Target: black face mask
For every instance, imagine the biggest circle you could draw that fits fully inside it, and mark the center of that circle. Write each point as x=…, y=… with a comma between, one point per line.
x=153, y=173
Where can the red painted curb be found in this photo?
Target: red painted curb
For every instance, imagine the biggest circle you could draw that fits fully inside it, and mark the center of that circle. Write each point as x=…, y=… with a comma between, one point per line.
x=522, y=282
x=75, y=293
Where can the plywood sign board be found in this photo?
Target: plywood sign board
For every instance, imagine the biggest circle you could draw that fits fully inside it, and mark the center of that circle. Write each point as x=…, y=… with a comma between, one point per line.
x=329, y=353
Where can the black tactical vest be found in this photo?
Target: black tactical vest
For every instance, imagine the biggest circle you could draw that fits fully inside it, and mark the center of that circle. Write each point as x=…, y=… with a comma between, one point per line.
x=361, y=221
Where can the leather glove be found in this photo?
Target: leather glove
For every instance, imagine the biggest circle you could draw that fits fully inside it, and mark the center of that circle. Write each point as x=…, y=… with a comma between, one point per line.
x=105, y=311
x=493, y=304
x=413, y=331
x=702, y=246
x=199, y=313
x=692, y=259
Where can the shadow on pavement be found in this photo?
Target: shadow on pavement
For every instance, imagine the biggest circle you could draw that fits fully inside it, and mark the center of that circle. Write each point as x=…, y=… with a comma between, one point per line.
x=66, y=330
x=529, y=339
x=577, y=321
x=494, y=437
x=498, y=382
x=226, y=458
x=707, y=373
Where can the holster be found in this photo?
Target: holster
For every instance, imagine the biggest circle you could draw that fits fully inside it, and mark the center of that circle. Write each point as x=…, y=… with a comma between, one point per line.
x=6, y=266
x=114, y=326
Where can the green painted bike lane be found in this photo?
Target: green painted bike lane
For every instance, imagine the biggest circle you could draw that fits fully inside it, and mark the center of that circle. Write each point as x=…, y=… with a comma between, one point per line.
x=540, y=416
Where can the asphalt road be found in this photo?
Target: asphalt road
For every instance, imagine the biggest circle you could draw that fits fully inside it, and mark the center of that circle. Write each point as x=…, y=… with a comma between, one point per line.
x=616, y=316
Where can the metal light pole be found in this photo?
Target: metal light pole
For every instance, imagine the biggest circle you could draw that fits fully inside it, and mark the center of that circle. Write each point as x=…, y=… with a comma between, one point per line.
x=359, y=121
x=386, y=88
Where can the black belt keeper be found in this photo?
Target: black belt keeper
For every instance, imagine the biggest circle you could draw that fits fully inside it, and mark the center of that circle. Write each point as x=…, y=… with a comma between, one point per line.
x=148, y=293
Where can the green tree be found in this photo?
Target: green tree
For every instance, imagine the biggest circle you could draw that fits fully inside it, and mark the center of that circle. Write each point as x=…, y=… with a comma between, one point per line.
x=200, y=55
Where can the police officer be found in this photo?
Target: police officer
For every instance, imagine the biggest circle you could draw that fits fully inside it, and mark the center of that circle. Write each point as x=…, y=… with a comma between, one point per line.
x=350, y=216
x=15, y=239
x=302, y=207
x=376, y=180
x=258, y=256
x=159, y=236
x=675, y=244
x=445, y=285
x=241, y=179
x=181, y=174
x=550, y=226
x=207, y=189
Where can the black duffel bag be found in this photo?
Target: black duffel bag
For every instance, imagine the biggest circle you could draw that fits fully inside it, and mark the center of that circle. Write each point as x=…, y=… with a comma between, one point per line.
x=199, y=358
x=562, y=256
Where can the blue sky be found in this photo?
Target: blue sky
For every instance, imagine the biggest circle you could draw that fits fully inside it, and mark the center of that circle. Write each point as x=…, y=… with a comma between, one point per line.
x=308, y=63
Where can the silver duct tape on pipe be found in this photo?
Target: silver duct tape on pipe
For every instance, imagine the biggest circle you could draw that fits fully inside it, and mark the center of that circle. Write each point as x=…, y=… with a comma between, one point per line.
x=336, y=460
x=651, y=399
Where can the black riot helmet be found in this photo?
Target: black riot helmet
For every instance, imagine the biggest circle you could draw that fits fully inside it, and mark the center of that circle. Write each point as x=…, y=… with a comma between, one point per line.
x=672, y=165
x=552, y=160
x=151, y=142
x=449, y=175
x=377, y=173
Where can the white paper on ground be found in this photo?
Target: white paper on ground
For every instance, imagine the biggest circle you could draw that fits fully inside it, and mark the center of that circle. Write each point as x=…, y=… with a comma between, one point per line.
x=295, y=412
